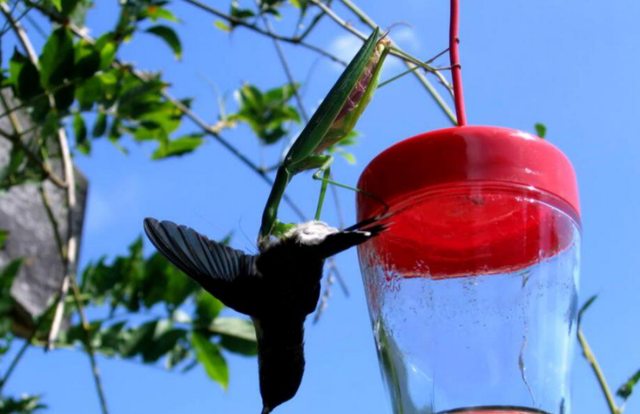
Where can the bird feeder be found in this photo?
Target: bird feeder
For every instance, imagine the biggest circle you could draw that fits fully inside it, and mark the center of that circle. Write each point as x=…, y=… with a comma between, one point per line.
x=472, y=291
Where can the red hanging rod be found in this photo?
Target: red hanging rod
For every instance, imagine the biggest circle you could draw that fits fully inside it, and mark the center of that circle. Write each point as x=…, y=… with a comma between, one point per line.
x=456, y=69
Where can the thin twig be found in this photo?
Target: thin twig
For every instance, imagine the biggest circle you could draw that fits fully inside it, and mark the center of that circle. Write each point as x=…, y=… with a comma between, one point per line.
x=287, y=70
x=90, y=350
x=61, y=300
x=16, y=139
x=312, y=25
x=588, y=354
x=14, y=362
x=240, y=22
x=17, y=19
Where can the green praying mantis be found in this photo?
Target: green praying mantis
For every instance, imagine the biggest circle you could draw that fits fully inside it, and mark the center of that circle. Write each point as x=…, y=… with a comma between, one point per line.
x=332, y=122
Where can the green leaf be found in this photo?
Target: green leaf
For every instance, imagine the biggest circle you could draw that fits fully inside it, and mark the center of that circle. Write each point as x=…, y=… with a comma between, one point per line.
x=349, y=157
x=155, y=12
x=18, y=170
x=541, y=130
x=87, y=59
x=179, y=146
x=222, y=26
x=68, y=7
x=100, y=126
x=239, y=346
x=110, y=341
x=207, y=307
x=57, y=58
x=239, y=13
x=584, y=308
x=266, y=113
x=9, y=272
x=57, y=4
x=83, y=144
x=236, y=327
x=107, y=48
x=138, y=98
x=177, y=355
x=169, y=36
x=300, y=4
x=210, y=357
x=162, y=343
x=627, y=389
x=163, y=282
x=25, y=405
x=236, y=335
x=3, y=237
x=64, y=97
x=142, y=337
x=24, y=76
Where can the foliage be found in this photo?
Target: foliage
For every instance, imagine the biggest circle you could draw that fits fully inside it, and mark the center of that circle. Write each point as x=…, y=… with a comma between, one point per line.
x=267, y=113
x=155, y=312
x=541, y=130
x=23, y=405
x=626, y=389
x=84, y=77
x=10, y=405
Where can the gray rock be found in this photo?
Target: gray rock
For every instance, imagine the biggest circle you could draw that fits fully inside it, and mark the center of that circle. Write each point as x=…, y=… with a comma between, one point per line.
x=31, y=235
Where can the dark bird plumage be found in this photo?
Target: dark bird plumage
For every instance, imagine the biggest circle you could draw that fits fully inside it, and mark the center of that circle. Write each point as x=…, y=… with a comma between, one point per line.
x=278, y=288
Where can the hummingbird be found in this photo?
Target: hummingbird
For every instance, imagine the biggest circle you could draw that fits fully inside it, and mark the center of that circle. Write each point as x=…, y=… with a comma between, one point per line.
x=277, y=288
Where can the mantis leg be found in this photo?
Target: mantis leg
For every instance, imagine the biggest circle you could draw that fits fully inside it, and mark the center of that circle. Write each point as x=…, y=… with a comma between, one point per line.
x=323, y=163
x=323, y=191
x=418, y=65
x=325, y=167
x=270, y=214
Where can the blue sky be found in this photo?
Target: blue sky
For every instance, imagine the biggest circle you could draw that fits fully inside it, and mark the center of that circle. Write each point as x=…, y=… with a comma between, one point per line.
x=570, y=65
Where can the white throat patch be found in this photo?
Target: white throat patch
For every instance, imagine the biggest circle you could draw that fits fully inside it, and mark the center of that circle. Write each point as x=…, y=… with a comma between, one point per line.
x=310, y=233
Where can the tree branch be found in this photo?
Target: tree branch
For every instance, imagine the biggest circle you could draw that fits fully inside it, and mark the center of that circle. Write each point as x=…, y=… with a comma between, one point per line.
x=591, y=358
x=16, y=139
x=14, y=363
x=239, y=22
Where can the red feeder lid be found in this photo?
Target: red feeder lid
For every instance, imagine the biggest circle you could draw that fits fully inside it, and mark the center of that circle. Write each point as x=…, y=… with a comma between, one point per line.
x=463, y=200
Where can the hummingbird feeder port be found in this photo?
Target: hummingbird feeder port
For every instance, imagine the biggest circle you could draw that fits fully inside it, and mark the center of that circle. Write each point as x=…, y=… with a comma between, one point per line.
x=472, y=291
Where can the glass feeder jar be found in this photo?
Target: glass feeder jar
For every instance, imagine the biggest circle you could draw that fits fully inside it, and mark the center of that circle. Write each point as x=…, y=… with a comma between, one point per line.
x=472, y=291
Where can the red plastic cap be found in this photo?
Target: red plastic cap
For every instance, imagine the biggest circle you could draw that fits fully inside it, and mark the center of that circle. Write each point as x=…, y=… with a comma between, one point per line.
x=470, y=200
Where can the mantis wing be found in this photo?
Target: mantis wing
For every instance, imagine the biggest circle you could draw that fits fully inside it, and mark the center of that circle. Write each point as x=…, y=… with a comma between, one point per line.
x=319, y=124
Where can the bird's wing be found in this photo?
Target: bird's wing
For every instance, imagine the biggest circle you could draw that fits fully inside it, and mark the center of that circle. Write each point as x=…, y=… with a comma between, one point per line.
x=226, y=273
x=343, y=240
